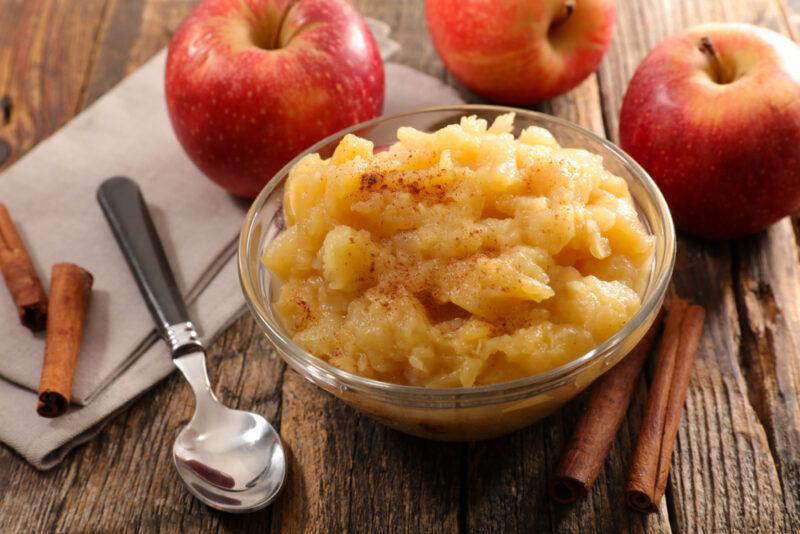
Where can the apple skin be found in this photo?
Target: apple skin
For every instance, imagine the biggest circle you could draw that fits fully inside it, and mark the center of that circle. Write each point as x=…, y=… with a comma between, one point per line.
x=252, y=83
x=726, y=156
x=504, y=49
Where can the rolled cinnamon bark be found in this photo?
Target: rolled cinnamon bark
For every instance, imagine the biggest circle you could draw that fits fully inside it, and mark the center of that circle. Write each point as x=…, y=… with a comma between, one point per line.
x=656, y=440
x=70, y=289
x=20, y=275
x=604, y=411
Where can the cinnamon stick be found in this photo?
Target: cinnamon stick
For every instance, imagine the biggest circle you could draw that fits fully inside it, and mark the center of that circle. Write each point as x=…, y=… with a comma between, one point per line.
x=605, y=409
x=662, y=416
x=20, y=275
x=70, y=289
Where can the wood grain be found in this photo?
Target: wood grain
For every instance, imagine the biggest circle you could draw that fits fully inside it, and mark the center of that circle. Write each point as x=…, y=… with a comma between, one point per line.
x=45, y=53
x=723, y=475
x=736, y=465
x=768, y=296
x=409, y=28
x=351, y=474
x=131, y=33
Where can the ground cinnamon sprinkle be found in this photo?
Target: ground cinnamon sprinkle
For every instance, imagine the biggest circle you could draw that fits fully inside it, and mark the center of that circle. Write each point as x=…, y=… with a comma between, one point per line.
x=414, y=183
x=368, y=180
x=304, y=316
x=20, y=275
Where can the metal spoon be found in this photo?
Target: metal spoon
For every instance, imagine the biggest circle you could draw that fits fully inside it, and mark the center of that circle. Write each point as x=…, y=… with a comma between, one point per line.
x=230, y=459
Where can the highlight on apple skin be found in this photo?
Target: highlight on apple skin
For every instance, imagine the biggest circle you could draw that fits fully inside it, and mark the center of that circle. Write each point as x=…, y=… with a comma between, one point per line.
x=521, y=51
x=251, y=84
x=713, y=114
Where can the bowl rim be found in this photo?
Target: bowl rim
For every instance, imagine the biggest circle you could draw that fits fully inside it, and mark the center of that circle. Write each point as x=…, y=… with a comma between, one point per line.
x=352, y=381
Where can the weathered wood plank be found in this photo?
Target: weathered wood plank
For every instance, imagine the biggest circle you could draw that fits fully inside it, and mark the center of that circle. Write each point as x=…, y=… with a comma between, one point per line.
x=409, y=28
x=725, y=475
x=131, y=33
x=45, y=51
x=768, y=293
x=351, y=474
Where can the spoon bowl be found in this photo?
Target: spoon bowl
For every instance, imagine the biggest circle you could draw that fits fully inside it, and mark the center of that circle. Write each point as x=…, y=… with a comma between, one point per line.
x=231, y=460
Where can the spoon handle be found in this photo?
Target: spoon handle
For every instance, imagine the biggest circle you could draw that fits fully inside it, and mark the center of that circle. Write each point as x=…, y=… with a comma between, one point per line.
x=126, y=212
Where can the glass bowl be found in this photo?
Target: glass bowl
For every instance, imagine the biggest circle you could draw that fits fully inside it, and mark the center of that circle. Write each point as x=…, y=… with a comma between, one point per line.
x=466, y=413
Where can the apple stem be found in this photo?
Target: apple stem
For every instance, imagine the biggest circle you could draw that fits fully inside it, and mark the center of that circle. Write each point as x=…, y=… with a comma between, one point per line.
x=706, y=46
x=276, y=40
x=566, y=11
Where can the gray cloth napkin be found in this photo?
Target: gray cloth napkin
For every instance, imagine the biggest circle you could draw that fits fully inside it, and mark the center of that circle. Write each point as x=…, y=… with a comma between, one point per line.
x=51, y=193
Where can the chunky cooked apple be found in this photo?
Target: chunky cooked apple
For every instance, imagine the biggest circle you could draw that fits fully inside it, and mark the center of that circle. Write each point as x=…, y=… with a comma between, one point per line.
x=457, y=258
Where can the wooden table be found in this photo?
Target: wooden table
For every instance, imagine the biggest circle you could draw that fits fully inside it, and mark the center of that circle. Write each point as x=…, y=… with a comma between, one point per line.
x=736, y=465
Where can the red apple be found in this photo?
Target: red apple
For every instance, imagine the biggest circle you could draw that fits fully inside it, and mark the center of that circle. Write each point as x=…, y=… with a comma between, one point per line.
x=713, y=114
x=521, y=51
x=251, y=83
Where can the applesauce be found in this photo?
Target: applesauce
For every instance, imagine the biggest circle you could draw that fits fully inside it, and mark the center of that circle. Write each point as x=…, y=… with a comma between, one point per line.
x=460, y=257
